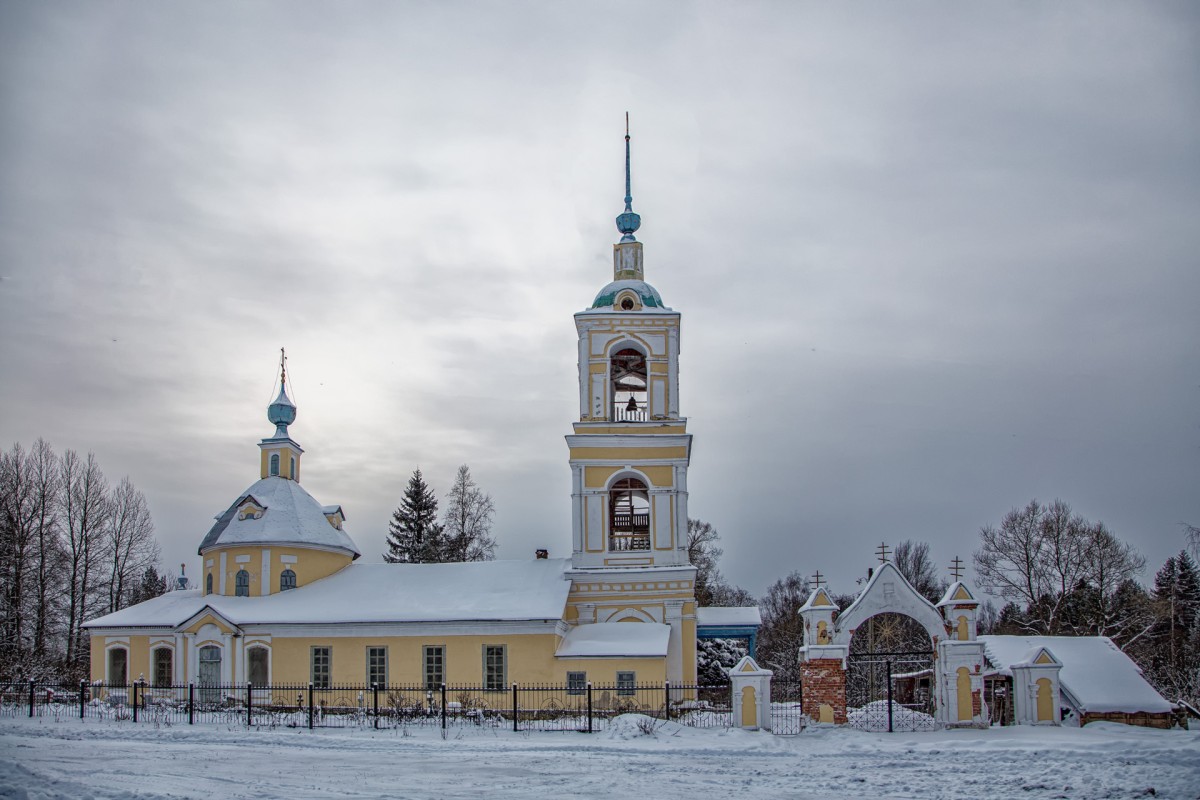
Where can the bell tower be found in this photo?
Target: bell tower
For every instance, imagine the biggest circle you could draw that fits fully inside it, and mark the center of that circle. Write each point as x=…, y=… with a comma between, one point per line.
x=629, y=457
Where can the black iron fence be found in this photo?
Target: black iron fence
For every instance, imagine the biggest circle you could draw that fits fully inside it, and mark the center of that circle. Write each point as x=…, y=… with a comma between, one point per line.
x=586, y=708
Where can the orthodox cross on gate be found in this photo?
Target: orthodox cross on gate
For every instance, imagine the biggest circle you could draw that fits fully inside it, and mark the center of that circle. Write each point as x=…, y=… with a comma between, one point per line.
x=882, y=552
x=956, y=568
x=818, y=579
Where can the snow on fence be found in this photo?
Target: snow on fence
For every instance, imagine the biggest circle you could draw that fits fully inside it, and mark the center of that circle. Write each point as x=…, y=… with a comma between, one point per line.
x=586, y=708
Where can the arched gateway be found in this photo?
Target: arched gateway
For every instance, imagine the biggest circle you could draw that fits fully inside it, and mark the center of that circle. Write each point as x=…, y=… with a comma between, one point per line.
x=892, y=660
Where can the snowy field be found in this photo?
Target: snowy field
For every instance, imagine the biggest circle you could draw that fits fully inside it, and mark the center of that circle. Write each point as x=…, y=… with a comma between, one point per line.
x=44, y=758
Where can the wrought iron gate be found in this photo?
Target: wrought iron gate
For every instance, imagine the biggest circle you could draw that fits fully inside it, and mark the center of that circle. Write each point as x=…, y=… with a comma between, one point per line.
x=891, y=691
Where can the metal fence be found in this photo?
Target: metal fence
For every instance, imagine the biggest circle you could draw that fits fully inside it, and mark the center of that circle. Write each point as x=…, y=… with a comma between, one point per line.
x=588, y=708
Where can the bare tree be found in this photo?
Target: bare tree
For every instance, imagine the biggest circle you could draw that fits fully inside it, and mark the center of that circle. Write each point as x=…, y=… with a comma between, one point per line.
x=17, y=543
x=782, y=632
x=46, y=482
x=1063, y=570
x=703, y=554
x=913, y=560
x=85, y=512
x=467, y=525
x=129, y=542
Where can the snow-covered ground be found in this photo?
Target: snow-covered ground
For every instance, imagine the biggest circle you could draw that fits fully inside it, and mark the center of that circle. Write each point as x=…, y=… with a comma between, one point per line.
x=68, y=758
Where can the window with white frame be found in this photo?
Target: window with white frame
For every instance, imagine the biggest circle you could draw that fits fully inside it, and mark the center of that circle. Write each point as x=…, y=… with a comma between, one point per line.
x=275, y=463
x=242, y=583
x=164, y=663
x=435, y=666
x=377, y=666
x=258, y=667
x=495, y=672
x=576, y=682
x=287, y=580
x=208, y=584
x=322, y=666
x=118, y=666
x=626, y=683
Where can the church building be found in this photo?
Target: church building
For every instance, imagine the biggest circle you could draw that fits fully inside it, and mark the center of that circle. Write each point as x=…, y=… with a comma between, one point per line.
x=283, y=599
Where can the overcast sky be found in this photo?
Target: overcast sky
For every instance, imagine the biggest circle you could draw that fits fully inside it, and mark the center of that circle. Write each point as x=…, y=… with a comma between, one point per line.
x=934, y=260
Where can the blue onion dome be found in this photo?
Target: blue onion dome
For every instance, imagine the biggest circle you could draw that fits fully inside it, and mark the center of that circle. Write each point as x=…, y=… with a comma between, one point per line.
x=627, y=223
x=282, y=412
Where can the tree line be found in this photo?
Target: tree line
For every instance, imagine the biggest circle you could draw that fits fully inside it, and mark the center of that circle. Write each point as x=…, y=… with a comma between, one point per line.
x=1056, y=573
x=463, y=533
x=72, y=546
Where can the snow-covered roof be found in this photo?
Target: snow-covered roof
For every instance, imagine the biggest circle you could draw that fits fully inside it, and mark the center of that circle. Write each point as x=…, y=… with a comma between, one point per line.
x=957, y=593
x=818, y=599
x=292, y=516
x=1095, y=672
x=628, y=639
x=481, y=590
x=728, y=616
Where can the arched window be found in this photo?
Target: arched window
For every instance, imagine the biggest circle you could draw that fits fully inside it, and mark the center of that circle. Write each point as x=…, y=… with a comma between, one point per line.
x=163, y=666
x=629, y=515
x=287, y=580
x=627, y=370
x=256, y=666
x=275, y=463
x=208, y=584
x=295, y=475
x=242, y=584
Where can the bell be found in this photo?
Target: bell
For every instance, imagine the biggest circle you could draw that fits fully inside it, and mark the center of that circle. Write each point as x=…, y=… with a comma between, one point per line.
x=631, y=405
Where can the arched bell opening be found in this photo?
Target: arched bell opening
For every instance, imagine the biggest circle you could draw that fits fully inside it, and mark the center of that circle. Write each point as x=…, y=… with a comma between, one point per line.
x=629, y=516
x=627, y=371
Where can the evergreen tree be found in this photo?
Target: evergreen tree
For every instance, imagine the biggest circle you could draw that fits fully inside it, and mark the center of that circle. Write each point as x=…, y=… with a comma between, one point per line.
x=151, y=585
x=414, y=535
x=1173, y=658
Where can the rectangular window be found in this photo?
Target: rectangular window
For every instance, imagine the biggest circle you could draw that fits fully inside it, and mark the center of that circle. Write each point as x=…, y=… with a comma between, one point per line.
x=625, y=683
x=322, y=666
x=435, y=666
x=494, y=667
x=576, y=683
x=377, y=666
x=163, y=675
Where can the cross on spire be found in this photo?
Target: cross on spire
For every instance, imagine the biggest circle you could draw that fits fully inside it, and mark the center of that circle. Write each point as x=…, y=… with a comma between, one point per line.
x=956, y=568
x=628, y=222
x=818, y=579
x=282, y=366
x=882, y=552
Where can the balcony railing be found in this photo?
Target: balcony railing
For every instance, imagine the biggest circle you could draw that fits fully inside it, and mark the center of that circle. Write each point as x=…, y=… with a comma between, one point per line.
x=621, y=542
x=622, y=412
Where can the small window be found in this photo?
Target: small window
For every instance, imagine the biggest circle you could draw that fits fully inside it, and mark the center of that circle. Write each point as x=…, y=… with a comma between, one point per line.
x=256, y=666
x=275, y=463
x=163, y=667
x=208, y=584
x=295, y=475
x=322, y=663
x=377, y=666
x=494, y=672
x=118, y=660
x=576, y=683
x=242, y=584
x=287, y=580
x=435, y=666
x=626, y=681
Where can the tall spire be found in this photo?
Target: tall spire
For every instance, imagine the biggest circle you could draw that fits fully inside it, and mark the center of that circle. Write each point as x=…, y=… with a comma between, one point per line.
x=628, y=222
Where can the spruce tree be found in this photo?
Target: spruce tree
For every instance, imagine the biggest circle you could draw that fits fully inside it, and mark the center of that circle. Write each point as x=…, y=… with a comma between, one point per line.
x=414, y=535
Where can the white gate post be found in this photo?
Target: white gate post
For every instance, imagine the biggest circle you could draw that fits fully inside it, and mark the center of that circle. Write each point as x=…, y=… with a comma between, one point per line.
x=751, y=687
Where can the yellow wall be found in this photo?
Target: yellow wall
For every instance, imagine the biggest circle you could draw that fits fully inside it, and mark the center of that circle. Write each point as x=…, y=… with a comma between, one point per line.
x=310, y=565
x=286, y=454
x=659, y=475
x=530, y=659
x=629, y=455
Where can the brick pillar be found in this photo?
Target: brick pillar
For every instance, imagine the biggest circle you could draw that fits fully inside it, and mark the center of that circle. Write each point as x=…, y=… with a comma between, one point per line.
x=824, y=684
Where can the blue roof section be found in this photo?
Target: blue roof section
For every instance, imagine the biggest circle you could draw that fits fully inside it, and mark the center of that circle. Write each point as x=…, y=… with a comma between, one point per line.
x=646, y=293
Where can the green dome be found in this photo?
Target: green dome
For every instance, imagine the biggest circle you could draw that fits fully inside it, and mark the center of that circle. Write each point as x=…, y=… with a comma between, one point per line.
x=646, y=293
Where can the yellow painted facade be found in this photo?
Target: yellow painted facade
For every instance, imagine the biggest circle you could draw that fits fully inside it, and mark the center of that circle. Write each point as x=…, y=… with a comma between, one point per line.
x=309, y=564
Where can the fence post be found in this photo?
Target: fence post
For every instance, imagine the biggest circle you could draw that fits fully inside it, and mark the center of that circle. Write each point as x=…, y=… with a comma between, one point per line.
x=310, y=705
x=191, y=704
x=667, y=700
x=514, y=701
x=889, y=680
x=249, y=704
x=589, y=693
x=32, y=699
x=82, y=695
x=375, y=692
x=135, y=703
x=443, y=706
